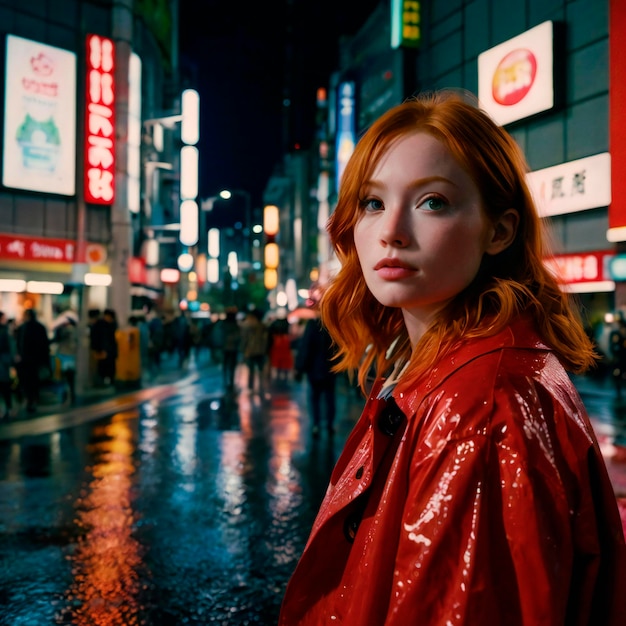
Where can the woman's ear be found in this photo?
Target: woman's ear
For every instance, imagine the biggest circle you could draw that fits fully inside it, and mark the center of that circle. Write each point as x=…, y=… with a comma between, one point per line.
x=504, y=231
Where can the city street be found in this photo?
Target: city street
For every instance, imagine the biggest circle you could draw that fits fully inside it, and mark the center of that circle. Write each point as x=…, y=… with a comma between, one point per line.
x=179, y=505
x=191, y=508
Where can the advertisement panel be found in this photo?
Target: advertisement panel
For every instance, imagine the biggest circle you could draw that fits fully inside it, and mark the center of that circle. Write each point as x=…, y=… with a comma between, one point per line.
x=15, y=247
x=516, y=78
x=346, y=128
x=617, y=123
x=39, y=146
x=583, y=272
x=100, y=121
x=406, y=28
x=573, y=186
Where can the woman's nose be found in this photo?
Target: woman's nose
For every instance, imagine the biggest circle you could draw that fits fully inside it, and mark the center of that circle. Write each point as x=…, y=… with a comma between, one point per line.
x=395, y=229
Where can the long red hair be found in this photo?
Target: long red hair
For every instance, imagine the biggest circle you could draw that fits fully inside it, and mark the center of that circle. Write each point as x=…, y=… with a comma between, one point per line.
x=512, y=282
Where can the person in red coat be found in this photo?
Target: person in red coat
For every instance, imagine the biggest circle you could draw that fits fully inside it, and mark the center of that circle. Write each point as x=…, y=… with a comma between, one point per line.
x=472, y=490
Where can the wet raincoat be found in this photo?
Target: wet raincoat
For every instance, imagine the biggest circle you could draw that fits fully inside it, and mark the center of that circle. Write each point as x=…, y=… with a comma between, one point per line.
x=480, y=497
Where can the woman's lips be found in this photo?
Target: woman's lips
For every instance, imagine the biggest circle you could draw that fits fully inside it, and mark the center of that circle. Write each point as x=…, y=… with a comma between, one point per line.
x=394, y=273
x=392, y=269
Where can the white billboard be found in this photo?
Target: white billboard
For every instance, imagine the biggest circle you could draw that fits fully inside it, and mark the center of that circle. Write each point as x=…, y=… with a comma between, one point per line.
x=516, y=78
x=573, y=186
x=39, y=148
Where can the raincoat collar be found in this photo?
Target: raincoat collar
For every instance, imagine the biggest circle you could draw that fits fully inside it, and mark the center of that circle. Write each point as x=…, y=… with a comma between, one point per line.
x=519, y=334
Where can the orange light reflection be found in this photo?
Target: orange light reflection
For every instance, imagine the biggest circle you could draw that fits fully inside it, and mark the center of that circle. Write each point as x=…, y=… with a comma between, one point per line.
x=107, y=558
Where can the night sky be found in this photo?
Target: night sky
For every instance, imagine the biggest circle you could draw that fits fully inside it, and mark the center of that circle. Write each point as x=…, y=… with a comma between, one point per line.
x=240, y=56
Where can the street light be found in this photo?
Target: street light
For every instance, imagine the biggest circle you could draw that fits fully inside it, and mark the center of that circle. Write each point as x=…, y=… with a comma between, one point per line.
x=227, y=194
x=207, y=204
x=188, y=158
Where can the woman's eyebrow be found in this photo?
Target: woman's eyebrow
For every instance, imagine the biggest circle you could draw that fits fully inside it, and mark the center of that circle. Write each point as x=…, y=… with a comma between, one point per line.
x=415, y=184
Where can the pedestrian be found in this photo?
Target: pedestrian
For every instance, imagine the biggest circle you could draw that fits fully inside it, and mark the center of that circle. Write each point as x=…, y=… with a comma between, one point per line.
x=280, y=354
x=472, y=490
x=230, y=340
x=143, y=332
x=15, y=382
x=195, y=339
x=104, y=346
x=315, y=359
x=254, y=347
x=182, y=338
x=156, y=341
x=206, y=338
x=65, y=342
x=216, y=339
x=617, y=344
x=93, y=317
x=7, y=363
x=32, y=358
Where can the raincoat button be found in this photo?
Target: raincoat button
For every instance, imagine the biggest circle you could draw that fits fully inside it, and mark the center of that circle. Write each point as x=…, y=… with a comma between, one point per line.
x=390, y=418
x=359, y=472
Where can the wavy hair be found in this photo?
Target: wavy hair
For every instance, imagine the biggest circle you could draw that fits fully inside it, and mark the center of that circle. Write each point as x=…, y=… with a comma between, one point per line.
x=512, y=282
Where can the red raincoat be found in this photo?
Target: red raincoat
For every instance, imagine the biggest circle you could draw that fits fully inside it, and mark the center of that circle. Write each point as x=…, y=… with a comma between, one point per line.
x=478, y=498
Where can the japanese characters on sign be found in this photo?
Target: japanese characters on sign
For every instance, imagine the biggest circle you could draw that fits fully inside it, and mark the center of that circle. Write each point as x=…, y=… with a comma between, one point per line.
x=405, y=24
x=22, y=248
x=100, y=121
x=574, y=186
x=578, y=270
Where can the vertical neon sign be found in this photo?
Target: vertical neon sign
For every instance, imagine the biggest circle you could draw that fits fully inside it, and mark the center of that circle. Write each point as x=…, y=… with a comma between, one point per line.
x=346, y=133
x=100, y=121
x=406, y=29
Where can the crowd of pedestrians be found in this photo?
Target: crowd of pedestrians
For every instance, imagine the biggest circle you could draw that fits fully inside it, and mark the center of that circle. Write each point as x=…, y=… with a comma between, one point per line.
x=255, y=351
x=270, y=352
x=34, y=358
x=24, y=362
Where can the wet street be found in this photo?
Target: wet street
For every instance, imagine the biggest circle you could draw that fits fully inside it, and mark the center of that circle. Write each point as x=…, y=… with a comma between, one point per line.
x=190, y=508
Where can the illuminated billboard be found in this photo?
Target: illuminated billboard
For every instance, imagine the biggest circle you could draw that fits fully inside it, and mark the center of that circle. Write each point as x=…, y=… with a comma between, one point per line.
x=406, y=30
x=39, y=146
x=516, y=78
x=100, y=121
x=346, y=131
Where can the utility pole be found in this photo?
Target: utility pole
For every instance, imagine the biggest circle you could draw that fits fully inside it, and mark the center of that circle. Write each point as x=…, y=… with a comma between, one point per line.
x=121, y=227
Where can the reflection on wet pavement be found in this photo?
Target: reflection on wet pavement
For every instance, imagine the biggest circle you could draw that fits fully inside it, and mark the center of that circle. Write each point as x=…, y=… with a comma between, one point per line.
x=107, y=560
x=191, y=509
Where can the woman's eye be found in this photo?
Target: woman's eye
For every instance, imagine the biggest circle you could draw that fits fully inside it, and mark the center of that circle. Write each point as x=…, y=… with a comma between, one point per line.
x=434, y=203
x=372, y=204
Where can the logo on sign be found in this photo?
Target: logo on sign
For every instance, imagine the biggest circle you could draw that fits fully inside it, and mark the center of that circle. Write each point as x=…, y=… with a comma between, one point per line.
x=514, y=76
x=42, y=64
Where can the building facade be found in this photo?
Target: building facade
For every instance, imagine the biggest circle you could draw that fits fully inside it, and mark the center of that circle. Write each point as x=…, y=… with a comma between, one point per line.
x=551, y=72
x=81, y=78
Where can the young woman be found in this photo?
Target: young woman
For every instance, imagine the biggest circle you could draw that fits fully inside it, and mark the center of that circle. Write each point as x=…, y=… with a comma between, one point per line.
x=472, y=489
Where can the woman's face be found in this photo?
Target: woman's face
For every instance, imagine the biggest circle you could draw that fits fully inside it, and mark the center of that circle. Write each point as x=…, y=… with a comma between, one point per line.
x=423, y=231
